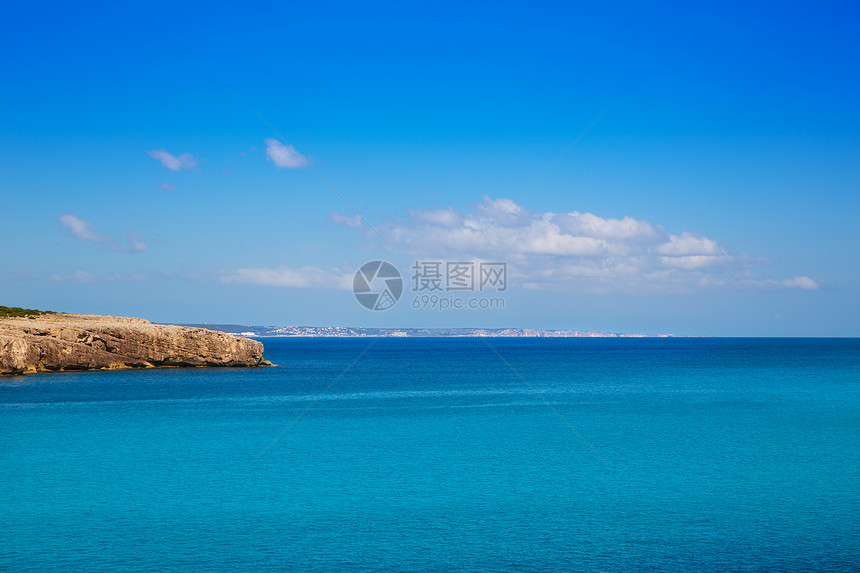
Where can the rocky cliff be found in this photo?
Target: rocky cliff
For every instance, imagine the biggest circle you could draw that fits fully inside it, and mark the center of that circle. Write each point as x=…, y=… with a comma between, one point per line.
x=87, y=342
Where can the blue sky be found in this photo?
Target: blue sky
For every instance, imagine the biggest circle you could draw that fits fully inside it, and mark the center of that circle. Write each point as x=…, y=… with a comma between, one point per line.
x=716, y=193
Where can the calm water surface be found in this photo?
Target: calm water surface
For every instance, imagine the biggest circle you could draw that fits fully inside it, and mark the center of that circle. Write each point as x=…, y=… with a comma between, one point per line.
x=439, y=454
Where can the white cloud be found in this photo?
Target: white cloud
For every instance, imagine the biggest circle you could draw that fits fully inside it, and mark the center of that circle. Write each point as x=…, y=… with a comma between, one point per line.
x=575, y=251
x=168, y=187
x=77, y=276
x=805, y=283
x=442, y=217
x=353, y=222
x=284, y=156
x=686, y=244
x=81, y=229
x=283, y=276
x=183, y=162
x=693, y=262
x=586, y=224
x=84, y=230
x=134, y=243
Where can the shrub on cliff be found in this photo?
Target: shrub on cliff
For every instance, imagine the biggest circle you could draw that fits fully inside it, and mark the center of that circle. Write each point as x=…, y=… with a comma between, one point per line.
x=8, y=311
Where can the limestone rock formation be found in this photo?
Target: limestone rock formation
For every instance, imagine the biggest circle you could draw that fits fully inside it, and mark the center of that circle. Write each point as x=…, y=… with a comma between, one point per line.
x=88, y=342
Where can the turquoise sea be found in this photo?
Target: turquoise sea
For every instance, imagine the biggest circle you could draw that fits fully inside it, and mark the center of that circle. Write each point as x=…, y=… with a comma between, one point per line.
x=443, y=455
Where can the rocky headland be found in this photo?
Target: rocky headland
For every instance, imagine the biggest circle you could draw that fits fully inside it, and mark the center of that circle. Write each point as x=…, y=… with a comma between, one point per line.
x=57, y=342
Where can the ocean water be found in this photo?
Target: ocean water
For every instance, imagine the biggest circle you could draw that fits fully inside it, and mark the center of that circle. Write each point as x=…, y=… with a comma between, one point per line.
x=443, y=455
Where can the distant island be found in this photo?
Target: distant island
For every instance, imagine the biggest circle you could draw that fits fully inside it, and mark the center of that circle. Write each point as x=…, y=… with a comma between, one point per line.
x=357, y=332
x=39, y=341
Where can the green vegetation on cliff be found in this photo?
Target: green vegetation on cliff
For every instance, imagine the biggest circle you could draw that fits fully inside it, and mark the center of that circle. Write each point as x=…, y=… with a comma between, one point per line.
x=7, y=311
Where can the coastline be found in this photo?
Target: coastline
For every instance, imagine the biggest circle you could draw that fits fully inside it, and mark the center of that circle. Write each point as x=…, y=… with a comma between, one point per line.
x=363, y=332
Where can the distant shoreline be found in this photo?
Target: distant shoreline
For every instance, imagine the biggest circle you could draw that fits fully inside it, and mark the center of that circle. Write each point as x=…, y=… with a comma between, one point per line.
x=358, y=332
